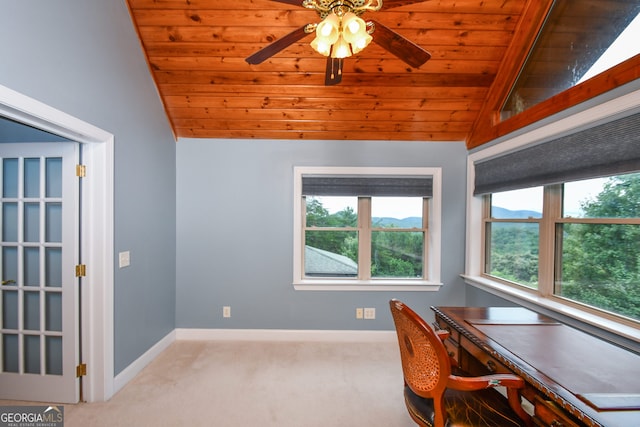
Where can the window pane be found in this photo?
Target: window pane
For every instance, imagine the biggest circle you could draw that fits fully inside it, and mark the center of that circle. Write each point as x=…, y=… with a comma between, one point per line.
x=397, y=254
x=512, y=252
x=10, y=178
x=525, y=203
x=578, y=40
x=331, y=253
x=600, y=266
x=613, y=197
x=54, y=177
x=31, y=348
x=53, y=354
x=9, y=222
x=31, y=222
x=53, y=225
x=10, y=353
x=31, y=177
x=332, y=211
x=396, y=212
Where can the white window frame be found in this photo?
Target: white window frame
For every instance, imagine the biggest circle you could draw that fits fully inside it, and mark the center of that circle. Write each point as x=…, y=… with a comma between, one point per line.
x=431, y=282
x=521, y=295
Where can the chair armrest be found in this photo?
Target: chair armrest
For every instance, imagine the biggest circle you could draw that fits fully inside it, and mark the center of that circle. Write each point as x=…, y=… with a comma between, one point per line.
x=486, y=381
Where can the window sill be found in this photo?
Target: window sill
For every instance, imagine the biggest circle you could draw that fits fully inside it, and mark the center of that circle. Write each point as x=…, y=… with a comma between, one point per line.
x=531, y=299
x=367, y=285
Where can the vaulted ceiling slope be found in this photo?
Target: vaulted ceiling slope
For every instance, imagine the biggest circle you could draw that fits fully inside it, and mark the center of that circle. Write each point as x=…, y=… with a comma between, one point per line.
x=196, y=51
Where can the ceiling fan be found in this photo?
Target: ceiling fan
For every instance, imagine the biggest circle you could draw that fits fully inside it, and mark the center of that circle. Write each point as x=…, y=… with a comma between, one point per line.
x=342, y=33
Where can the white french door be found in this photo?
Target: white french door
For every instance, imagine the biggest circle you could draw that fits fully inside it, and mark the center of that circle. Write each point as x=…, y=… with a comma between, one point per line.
x=39, y=223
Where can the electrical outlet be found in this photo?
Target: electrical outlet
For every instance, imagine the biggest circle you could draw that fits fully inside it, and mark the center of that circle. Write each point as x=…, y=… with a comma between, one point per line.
x=369, y=313
x=359, y=313
x=226, y=311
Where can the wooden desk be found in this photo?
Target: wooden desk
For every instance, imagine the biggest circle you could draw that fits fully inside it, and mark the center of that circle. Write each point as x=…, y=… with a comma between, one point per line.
x=573, y=378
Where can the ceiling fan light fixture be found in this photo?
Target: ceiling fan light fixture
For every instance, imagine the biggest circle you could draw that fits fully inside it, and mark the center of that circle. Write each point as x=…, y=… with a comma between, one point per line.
x=327, y=34
x=341, y=35
x=341, y=49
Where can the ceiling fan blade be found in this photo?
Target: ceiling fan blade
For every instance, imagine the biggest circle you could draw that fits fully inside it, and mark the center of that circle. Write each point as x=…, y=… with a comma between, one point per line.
x=292, y=2
x=390, y=4
x=275, y=47
x=333, y=75
x=400, y=46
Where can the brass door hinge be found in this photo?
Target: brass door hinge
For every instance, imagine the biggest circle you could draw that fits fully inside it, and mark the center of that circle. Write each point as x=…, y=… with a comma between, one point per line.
x=81, y=171
x=81, y=370
x=81, y=270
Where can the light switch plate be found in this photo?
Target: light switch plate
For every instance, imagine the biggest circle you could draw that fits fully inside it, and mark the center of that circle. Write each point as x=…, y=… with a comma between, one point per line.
x=124, y=259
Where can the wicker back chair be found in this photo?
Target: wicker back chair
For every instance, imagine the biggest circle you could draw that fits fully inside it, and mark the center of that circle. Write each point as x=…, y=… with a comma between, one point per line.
x=434, y=396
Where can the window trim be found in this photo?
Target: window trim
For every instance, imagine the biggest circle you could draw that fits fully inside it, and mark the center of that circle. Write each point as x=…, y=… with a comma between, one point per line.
x=433, y=242
x=474, y=260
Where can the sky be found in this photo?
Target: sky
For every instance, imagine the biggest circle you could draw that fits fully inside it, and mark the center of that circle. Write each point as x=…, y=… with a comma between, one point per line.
x=531, y=199
x=623, y=48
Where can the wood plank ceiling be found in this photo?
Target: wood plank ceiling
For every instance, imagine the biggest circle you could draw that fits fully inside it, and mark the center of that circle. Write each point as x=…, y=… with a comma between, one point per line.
x=196, y=51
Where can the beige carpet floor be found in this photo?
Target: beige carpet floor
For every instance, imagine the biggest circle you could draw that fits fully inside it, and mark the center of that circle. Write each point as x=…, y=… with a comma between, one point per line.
x=237, y=384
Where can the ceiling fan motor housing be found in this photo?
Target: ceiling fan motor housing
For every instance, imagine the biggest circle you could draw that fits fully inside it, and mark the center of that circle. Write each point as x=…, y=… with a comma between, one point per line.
x=340, y=7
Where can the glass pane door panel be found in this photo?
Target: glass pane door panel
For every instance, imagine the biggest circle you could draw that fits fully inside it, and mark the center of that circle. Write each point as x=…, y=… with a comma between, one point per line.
x=10, y=360
x=31, y=222
x=54, y=177
x=53, y=267
x=53, y=311
x=53, y=363
x=10, y=264
x=31, y=354
x=31, y=311
x=32, y=178
x=9, y=222
x=10, y=178
x=53, y=226
x=10, y=309
x=31, y=269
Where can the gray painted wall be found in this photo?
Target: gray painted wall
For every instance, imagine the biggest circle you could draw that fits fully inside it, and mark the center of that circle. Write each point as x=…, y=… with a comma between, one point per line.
x=83, y=57
x=235, y=233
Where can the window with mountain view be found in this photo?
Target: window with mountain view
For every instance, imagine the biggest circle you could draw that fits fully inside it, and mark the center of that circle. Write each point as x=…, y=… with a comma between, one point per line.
x=579, y=241
x=366, y=227
x=387, y=238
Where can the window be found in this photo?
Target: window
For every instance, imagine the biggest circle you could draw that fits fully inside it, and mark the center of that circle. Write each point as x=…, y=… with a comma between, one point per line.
x=577, y=41
x=367, y=228
x=584, y=248
x=554, y=217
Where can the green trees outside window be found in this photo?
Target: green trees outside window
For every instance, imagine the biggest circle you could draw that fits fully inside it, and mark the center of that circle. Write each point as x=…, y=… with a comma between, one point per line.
x=597, y=254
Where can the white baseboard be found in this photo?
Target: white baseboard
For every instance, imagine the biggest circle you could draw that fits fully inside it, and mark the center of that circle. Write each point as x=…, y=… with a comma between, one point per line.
x=139, y=364
x=284, y=335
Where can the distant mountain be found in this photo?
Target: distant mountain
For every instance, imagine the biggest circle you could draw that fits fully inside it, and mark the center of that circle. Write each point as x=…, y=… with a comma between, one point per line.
x=416, y=222
x=411, y=222
x=509, y=214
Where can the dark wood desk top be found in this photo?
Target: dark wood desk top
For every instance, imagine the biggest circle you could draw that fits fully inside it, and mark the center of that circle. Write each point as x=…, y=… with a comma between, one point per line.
x=581, y=373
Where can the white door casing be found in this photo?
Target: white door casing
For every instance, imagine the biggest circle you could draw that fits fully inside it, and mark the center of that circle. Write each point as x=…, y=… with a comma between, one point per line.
x=97, y=234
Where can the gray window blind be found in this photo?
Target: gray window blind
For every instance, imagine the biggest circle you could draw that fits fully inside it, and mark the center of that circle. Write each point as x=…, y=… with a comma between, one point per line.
x=396, y=186
x=608, y=149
